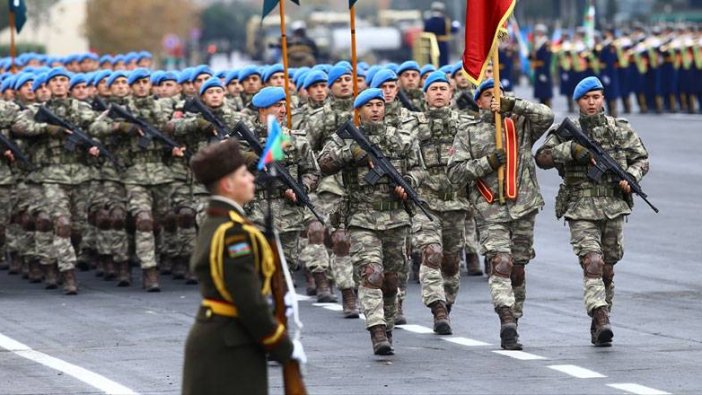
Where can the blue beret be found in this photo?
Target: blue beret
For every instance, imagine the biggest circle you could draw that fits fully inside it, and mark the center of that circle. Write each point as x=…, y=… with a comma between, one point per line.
x=7, y=83
x=199, y=70
x=336, y=72
x=221, y=74
x=77, y=79
x=345, y=63
x=156, y=76
x=167, y=76
x=433, y=78
x=118, y=58
x=247, y=72
x=70, y=58
x=456, y=68
x=361, y=72
x=370, y=73
x=300, y=73
x=29, y=69
x=268, y=96
x=382, y=77
x=363, y=65
x=368, y=95
x=446, y=69
x=586, y=85
x=57, y=71
x=39, y=81
x=428, y=68
x=88, y=55
x=407, y=66
x=144, y=55
x=106, y=58
x=184, y=75
x=392, y=66
x=23, y=79
x=325, y=67
x=485, y=85
x=138, y=74
x=269, y=71
x=210, y=83
x=301, y=78
x=314, y=77
x=130, y=57
x=114, y=76
x=231, y=76
x=100, y=75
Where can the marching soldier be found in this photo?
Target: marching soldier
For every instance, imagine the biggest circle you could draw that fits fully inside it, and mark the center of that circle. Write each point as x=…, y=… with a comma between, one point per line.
x=408, y=80
x=595, y=212
x=541, y=63
x=506, y=231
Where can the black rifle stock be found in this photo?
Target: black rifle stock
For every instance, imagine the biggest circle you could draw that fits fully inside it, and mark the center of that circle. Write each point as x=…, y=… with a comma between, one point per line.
x=381, y=165
x=567, y=130
x=195, y=105
x=16, y=151
x=77, y=136
x=150, y=132
x=406, y=102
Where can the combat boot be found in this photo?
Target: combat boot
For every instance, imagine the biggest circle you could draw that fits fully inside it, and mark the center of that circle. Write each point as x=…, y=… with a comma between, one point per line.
x=323, y=292
x=35, y=272
x=166, y=265
x=124, y=274
x=85, y=259
x=180, y=268
x=15, y=263
x=310, y=286
x=442, y=325
x=190, y=278
x=70, y=285
x=473, y=265
x=99, y=268
x=109, y=266
x=50, y=276
x=400, y=316
x=25, y=268
x=379, y=339
x=508, y=329
x=151, y=280
x=348, y=300
x=388, y=334
x=601, y=330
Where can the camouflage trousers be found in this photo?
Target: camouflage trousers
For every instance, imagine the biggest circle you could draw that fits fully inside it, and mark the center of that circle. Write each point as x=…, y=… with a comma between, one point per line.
x=314, y=256
x=68, y=207
x=21, y=240
x=342, y=268
x=113, y=240
x=154, y=200
x=379, y=256
x=88, y=240
x=288, y=221
x=187, y=207
x=439, y=280
x=515, y=238
x=6, y=204
x=471, y=234
x=603, y=237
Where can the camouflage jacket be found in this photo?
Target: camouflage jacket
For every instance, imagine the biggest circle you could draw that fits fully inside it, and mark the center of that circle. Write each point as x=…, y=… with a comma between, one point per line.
x=233, y=102
x=302, y=114
x=396, y=114
x=416, y=97
x=374, y=207
x=476, y=141
x=435, y=131
x=8, y=114
x=55, y=163
x=580, y=198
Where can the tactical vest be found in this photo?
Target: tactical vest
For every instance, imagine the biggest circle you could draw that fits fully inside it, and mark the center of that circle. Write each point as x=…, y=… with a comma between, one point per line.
x=290, y=161
x=147, y=109
x=54, y=151
x=442, y=126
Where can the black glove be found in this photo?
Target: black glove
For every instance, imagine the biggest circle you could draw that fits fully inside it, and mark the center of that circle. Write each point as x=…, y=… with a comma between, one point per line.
x=497, y=158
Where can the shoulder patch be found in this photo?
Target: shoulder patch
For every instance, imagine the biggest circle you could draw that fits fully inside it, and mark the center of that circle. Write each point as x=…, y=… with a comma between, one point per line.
x=238, y=249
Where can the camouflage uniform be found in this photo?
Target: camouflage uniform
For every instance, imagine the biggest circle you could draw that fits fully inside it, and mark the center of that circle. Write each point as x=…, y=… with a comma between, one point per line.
x=65, y=177
x=377, y=221
x=8, y=243
x=596, y=212
x=506, y=231
x=416, y=97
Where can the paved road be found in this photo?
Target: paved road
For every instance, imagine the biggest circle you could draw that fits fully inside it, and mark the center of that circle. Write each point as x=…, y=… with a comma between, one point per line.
x=116, y=340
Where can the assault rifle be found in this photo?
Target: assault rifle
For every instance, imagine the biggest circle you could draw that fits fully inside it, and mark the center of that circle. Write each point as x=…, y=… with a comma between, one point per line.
x=76, y=137
x=150, y=132
x=195, y=105
x=603, y=161
x=381, y=165
x=16, y=151
x=466, y=102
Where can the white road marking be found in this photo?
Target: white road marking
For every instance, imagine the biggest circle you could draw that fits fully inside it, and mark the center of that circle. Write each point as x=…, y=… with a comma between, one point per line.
x=302, y=297
x=520, y=355
x=464, y=341
x=93, y=379
x=415, y=328
x=361, y=316
x=577, y=371
x=637, y=389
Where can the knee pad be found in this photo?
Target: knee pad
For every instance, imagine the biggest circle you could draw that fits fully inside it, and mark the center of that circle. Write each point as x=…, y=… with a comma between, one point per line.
x=315, y=233
x=501, y=265
x=186, y=218
x=341, y=243
x=63, y=227
x=518, y=275
x=102, y=219
x=26, y=221
x=608, y=274
x=450, y=265
x=592, y=264
x=43, y=223
x=372, y=276
x=432, y=256
x=144, y=222
x=118, y=218
x=169, y=222
x=390, y=284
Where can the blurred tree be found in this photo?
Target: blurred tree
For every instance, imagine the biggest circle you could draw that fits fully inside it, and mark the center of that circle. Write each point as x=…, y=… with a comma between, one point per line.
x=128, y=25
x=226, y=22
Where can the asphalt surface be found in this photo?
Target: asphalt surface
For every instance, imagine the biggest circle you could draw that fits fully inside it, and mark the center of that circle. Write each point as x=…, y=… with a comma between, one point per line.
x=115, y=340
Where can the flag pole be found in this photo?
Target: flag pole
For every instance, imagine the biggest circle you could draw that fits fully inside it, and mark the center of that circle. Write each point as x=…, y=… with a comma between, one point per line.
x=13, y=49
x=284, y=45
x=496, y=93
x=354, y=62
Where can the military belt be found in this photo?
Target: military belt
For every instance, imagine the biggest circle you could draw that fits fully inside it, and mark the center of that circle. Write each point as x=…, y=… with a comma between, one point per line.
x=386, y=205
x=146, y=157
x=219, y=307
x=449, y=196
x=598, y=191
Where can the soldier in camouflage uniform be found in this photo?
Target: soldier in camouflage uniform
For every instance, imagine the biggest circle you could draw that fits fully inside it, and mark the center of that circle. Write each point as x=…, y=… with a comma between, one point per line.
x=300, y=163
x=595, y=212
x=315, y=84
x=8, y=194
x=506, y=230
x=378, y=224
x=61, y=211
x=440, y=241
x=409, y=81
x=250, y=80
x=233, y=91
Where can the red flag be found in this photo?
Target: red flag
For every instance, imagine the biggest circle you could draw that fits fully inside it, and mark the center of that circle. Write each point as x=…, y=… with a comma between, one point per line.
x=484, y=19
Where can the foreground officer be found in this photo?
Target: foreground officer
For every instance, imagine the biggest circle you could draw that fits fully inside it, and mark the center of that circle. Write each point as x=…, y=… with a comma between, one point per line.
x=595, y=212
x=506, y=230
x=226, y=349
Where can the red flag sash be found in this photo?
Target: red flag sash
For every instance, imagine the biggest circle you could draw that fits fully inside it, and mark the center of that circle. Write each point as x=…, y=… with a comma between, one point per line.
x=511, y=166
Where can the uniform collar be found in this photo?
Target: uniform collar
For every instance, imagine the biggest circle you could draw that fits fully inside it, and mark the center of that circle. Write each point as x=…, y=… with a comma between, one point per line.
x=221, y=201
